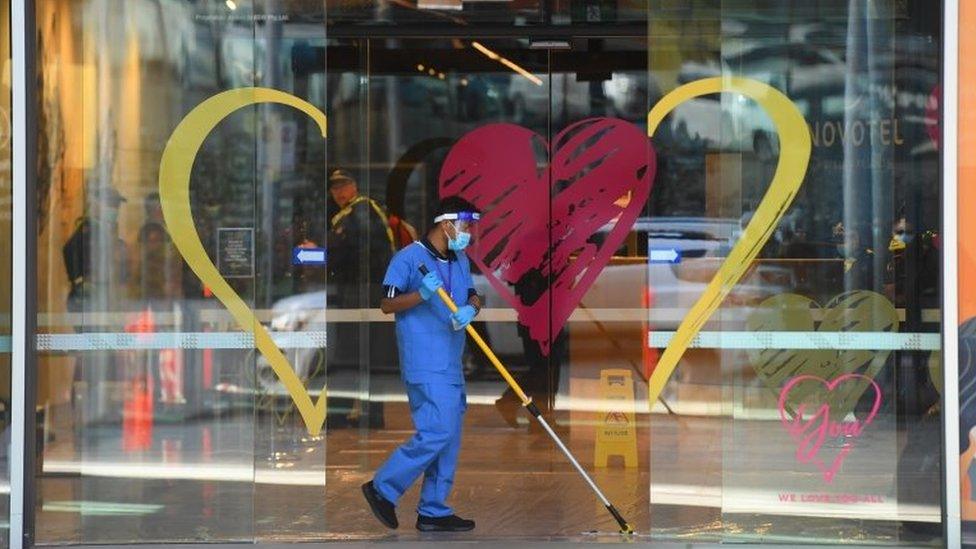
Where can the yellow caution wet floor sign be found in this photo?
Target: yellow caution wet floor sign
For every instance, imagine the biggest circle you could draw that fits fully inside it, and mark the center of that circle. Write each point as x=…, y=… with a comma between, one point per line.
x=616, y=429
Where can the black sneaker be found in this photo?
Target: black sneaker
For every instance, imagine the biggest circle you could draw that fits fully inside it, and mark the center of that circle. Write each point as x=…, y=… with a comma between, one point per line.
x=384, y=511
x=452, y=523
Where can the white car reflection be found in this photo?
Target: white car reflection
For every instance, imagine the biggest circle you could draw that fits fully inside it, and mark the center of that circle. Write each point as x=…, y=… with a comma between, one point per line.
x=732, y=122
x=619, y=290
x=623, y=283
x=305, y=312
x=625, y=93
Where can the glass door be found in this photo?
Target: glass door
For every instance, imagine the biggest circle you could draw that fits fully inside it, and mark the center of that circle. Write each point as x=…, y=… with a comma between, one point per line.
x=426, y=110
x=212, y=361
x=548, y=140
x=169, y=149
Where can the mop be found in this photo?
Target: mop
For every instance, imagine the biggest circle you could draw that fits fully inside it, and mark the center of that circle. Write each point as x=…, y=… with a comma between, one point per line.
x=533, y=410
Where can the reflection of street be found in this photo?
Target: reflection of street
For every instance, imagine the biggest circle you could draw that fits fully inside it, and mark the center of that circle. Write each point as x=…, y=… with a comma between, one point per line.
x=212, y=474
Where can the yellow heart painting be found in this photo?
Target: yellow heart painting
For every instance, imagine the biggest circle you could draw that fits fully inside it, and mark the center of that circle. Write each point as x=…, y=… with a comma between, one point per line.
x=188, y=137
x=174, y=195
x=791, y=168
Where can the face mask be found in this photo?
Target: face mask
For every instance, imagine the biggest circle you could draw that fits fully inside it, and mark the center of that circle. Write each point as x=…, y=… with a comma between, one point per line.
x=459, y=242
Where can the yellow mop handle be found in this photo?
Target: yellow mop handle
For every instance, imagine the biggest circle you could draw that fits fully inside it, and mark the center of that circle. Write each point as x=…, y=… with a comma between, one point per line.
x=487, y=350
x=625, y=528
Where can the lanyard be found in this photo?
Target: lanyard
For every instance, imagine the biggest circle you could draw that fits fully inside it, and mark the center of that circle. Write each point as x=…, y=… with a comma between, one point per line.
x=450, y=271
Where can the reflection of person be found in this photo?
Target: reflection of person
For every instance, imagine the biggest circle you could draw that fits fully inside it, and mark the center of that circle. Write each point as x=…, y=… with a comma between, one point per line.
x=797, y=245
x=154, y=209
x=858, y=259
x=156, y=283
x=158, y=272
x=901, y=238
x=96, y=265
x=90, y=276
x=543, y=374
x=430, y=340
x=360, y=221
x=360, y=246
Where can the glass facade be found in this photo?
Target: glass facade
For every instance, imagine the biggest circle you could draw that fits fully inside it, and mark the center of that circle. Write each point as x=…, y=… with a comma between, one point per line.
x=832, y=441
x=710, y=252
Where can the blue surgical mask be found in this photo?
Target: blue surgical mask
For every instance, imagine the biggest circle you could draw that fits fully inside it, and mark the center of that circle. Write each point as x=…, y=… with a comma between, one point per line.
x=460, y=240
x=459, y=243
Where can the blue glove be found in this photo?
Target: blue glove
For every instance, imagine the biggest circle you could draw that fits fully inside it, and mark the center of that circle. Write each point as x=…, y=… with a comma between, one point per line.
x=463, y=316
x=429, y=285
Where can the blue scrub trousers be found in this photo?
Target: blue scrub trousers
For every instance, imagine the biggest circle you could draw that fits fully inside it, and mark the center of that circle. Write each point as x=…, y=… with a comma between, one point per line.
x=437, y=410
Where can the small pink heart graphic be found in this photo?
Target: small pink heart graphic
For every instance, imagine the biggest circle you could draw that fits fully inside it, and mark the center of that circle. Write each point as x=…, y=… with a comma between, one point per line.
x=597, y=180
x=811, y=433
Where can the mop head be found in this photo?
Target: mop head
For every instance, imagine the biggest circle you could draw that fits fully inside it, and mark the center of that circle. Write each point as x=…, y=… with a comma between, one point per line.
x=625, y=528
x=628, y=532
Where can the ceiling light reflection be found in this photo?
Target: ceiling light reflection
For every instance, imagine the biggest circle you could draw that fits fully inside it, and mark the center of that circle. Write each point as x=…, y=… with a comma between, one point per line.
x=510, y=64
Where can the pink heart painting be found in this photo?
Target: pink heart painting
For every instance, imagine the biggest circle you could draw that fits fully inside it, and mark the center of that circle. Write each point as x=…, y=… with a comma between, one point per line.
x=811, y=432
x=595, y=184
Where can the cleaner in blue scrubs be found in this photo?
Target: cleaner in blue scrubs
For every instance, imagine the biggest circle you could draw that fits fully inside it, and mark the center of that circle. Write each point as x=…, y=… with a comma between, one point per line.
x=430, y=340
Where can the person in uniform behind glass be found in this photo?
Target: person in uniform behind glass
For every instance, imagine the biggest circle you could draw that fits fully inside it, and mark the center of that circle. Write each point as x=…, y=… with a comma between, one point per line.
x=360, y=245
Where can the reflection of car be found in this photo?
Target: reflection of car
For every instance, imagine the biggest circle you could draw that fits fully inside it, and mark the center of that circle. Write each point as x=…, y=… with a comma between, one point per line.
x=819, y=33
x=529, y=100
x=795, y=65
x=703, y=244
x=734, y=123
x=298, y=313
x=625, y=94
x=729, y=122
x=307, y=312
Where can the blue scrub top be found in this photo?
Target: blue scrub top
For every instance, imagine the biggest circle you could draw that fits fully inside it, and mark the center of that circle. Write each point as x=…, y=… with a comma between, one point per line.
x=430, y=347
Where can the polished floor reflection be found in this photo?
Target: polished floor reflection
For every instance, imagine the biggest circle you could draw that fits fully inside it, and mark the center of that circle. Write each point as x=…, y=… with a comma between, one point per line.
x=222, y=478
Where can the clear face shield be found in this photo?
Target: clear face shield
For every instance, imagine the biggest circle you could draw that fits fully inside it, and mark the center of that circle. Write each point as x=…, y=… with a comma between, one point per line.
x=464, y=225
